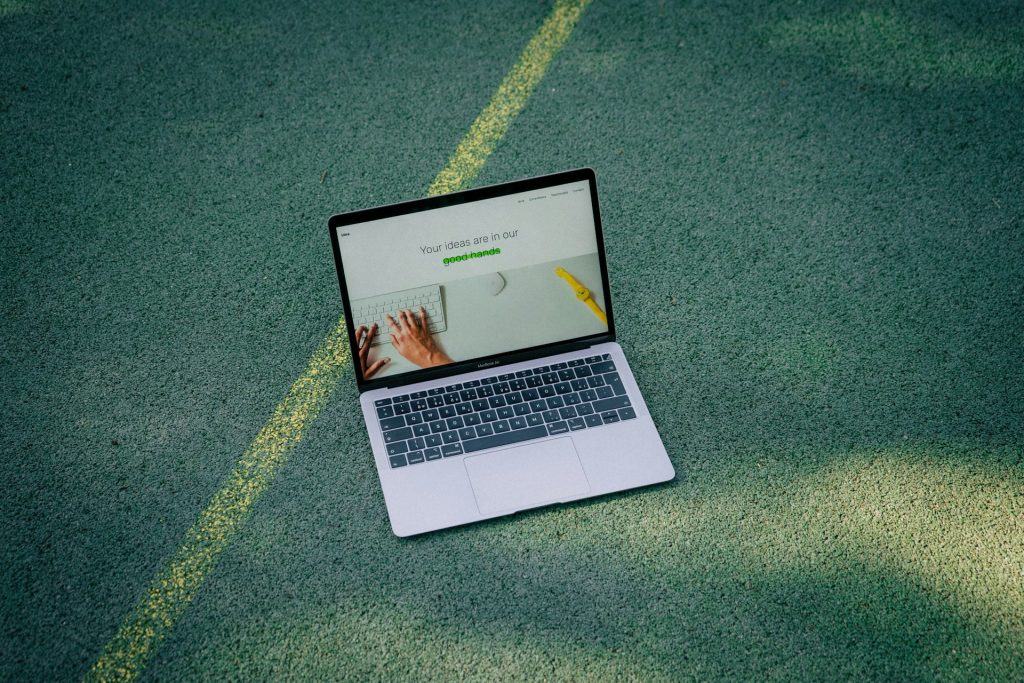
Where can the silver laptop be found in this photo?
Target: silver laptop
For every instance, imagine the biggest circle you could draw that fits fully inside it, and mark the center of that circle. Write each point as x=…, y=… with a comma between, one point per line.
x=481, y=329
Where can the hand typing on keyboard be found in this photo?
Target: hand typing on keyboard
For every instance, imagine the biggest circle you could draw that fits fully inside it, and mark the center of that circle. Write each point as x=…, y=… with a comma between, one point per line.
x=364, y=338
x=412, y=339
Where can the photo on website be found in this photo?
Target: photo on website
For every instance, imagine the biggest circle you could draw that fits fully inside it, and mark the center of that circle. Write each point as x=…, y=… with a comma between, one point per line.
x=473, y=280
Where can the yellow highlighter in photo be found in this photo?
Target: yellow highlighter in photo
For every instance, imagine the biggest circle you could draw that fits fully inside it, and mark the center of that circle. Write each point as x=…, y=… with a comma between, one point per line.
x=582, y=293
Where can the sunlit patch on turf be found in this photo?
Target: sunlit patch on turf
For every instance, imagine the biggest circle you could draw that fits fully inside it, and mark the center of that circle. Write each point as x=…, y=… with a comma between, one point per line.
x=883, y=47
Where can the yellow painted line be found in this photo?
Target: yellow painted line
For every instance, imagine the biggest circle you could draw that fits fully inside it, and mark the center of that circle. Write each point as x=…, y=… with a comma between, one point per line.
x=509, y=100
x=176, y=584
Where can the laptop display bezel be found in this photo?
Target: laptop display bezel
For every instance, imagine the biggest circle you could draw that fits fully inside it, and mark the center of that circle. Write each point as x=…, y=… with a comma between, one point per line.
x=476, y=194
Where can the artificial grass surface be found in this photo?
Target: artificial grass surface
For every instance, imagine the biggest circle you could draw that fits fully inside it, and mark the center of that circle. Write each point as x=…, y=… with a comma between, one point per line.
x=813, y=223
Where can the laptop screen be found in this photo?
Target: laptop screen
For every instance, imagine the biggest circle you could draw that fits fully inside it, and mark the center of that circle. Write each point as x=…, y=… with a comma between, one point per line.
x=466, y=281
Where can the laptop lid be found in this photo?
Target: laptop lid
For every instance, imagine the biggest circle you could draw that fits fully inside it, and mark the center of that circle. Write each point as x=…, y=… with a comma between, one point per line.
x=509, y=272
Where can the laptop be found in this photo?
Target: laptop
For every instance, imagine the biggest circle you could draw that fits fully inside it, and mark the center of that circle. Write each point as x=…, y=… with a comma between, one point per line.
x=481, y=330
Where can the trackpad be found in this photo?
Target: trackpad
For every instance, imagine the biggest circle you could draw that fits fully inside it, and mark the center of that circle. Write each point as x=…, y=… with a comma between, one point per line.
x=526, y=476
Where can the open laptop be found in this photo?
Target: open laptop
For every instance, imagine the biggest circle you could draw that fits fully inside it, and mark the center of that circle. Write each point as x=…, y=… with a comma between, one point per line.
x=481, y=329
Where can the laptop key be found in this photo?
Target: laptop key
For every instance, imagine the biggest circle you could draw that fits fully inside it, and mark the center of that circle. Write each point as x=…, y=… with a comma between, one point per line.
x=455, y=423
x=415, y=457
x=416, y=444
x=566, y=375
x=577, y=423
x=588, y=395
x=397, y=460
x=546, y=391
x=382, y=402
x=452, y=399
x=419, y=404
x=505, y=413
x=550, y=416
x=530, y=395
x=563, y=388
x=517, y=422
x=488, y=416
x=480, y=404
x=583, y=371
x=467, y=394
x=437, y=427
x=451, y=449
x=484, y=392
x=524, y=373
x=435, y=401
x=541, y=370
x=614, y=381
x=507, y=376
x=392, y=423
x=471, y=420
x=517, y=384
x=578, y=384
x=514, y=397
x=534, y=419
x=603, y=366
x=402, y=408
x=463, y=409
x=470, y=384
x=433, y=439
x=551, y=378
x=467, y=433
x=593, y=420
x=397, y=435
x=557, y=428
x=430, y=415
x=396, y=448
x=538, y=406
x=555, y=402
x=418, y=394
x=593, y=359
x=610, y=416
x=584, y=409
x=627, y=413
x=413, y=419
x=605, y=392
x=611, y=403
x=595, y=381
x=522, y=409
x=576, y=363
x=432, y=453
x=504, y=439
x=450, y=437
x=502, y=388
x=385, y=411
x=496, y=401
x=400, y=398
x=534, y=381
x=484, y=429
x=559, y=366
x=571, y=399
x=447, y=411
x=501, y=426
x=566, y=413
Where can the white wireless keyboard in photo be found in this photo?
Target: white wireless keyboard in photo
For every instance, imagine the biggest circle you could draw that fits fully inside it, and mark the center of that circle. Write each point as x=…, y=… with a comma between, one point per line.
x=376, y=309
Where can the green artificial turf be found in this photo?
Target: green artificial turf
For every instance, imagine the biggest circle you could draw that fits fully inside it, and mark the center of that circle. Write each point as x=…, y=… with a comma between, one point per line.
x=813, y=220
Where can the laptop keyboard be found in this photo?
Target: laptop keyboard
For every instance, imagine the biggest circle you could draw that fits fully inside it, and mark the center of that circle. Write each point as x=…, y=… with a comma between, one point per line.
x=376, y=309
x=505, y=409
